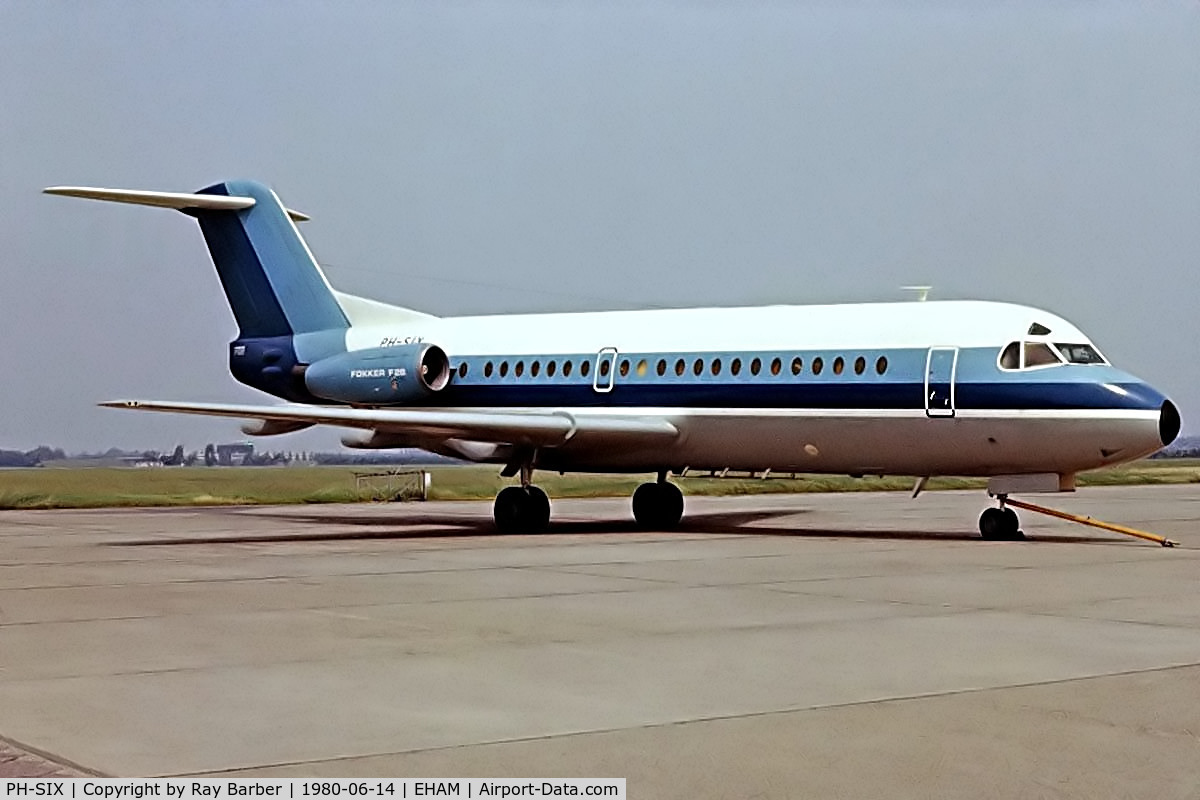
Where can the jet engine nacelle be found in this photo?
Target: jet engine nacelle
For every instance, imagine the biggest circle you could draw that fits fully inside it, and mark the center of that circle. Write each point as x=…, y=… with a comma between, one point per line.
x=383, y=376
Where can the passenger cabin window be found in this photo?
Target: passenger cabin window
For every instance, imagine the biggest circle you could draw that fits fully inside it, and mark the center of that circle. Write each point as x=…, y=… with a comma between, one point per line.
x=1080, y=354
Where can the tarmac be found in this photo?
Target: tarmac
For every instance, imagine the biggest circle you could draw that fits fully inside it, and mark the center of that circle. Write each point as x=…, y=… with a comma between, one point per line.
x=838, y=645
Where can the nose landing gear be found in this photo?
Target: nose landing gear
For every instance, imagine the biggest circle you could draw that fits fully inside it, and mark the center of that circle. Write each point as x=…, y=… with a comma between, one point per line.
x=1000, y=524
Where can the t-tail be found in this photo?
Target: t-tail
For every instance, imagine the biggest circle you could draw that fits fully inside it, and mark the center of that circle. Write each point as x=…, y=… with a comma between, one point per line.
x=287, y=314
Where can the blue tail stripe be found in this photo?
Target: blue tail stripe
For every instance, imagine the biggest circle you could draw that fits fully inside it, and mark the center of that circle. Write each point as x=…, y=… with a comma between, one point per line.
x=272, y=283
x=254, y=304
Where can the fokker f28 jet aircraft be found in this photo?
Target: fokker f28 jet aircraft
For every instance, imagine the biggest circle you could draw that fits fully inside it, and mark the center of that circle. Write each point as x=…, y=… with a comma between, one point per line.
x=1007, y=392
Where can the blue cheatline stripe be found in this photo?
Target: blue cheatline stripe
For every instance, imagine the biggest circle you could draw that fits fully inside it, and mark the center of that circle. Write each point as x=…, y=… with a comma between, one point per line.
x=269, y=278
x=980, y=385
x=811, y=394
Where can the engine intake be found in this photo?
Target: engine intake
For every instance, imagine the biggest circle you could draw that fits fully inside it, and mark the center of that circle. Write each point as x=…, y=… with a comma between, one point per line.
x=381, y=375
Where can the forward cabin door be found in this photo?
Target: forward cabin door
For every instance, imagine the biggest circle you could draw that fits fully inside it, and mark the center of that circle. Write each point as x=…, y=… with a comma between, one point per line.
x=941, y=364
x=606, y=370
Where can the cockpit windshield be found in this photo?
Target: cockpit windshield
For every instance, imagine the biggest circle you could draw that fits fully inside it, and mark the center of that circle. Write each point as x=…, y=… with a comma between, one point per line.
x=1039, y=354
x=1080, y=354
x=1026, y=355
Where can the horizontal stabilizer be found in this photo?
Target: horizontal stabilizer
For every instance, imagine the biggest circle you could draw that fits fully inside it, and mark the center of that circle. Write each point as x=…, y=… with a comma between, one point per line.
x=177, y=200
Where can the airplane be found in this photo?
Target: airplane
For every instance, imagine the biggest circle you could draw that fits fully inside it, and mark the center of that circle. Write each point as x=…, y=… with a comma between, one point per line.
x=1007, y=392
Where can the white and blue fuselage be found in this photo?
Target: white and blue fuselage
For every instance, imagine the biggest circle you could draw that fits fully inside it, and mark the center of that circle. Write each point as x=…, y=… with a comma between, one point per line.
x=877, y=388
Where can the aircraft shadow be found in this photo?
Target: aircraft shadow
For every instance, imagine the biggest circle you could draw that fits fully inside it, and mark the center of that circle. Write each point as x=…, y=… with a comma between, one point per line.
x=443, y=526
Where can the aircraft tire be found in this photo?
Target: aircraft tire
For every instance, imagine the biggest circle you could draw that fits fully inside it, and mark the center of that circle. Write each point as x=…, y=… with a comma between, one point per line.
x=539, y=510
x=1012, y=525
x=1000, y=524
x=657, y=506
x=520, y=509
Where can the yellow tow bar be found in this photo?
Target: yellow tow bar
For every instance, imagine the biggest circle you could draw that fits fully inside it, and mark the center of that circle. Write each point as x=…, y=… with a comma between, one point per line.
x=1095, y=523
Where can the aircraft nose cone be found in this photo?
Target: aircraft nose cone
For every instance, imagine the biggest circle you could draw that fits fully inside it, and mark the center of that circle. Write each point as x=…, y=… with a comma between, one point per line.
x=1168, y=423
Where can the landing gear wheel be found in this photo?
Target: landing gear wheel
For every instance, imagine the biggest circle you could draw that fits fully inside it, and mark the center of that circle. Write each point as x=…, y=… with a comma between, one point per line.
x=539, y=510
x=1000, y=524
x=521, y=509
x=657, y=506
x=1012, y=525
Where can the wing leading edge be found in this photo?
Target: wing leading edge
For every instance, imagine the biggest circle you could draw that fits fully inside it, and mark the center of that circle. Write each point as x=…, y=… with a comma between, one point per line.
x=531, y=429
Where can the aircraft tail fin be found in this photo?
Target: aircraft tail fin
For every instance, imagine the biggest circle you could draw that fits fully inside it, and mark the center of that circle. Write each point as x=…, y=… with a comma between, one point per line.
x=274, y=285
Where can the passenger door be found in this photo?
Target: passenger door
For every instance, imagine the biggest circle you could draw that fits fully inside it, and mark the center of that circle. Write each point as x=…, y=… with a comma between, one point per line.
x=941, y=364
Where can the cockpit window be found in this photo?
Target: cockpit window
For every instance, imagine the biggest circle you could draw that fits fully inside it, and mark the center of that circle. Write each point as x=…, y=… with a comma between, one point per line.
x=1080, y=354
x=1038, y=329
x=1011, y=357
x=1039, y=354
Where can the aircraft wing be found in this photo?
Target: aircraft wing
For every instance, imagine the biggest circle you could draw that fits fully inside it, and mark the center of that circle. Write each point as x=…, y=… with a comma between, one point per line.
x=526, y=429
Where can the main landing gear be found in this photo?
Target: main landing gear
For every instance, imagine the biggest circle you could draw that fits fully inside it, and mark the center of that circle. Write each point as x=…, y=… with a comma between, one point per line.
x=1000, y=524
x=521, y=509
x=658, y=506
x=526, y=508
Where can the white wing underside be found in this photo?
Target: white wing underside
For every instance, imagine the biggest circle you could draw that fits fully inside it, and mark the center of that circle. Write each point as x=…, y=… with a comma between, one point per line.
x=417, y=426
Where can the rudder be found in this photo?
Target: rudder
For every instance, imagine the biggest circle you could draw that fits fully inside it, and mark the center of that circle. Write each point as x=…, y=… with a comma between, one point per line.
x=274, y=285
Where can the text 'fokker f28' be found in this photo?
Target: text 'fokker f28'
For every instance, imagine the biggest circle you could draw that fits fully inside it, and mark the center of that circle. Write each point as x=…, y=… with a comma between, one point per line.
x=1007, y=392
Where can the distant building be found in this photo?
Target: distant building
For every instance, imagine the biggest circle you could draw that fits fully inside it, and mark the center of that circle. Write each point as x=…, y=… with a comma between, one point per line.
x=228, y=455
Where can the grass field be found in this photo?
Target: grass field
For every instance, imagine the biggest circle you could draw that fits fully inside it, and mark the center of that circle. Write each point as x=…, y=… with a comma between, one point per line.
x=185, y=486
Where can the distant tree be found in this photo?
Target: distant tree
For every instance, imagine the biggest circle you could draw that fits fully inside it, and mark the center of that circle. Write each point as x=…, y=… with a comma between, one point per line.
x=30, y=458
x=44, y=453
x=15, y=458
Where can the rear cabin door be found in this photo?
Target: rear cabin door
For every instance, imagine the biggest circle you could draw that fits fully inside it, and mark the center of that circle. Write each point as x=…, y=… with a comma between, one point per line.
x=941, y=364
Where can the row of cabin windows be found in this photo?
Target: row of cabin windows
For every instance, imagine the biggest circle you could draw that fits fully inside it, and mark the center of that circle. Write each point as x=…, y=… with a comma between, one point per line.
x=714, y=366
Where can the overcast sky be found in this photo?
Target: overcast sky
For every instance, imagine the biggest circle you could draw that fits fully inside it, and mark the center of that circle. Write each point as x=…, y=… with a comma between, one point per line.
x=495, y=157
